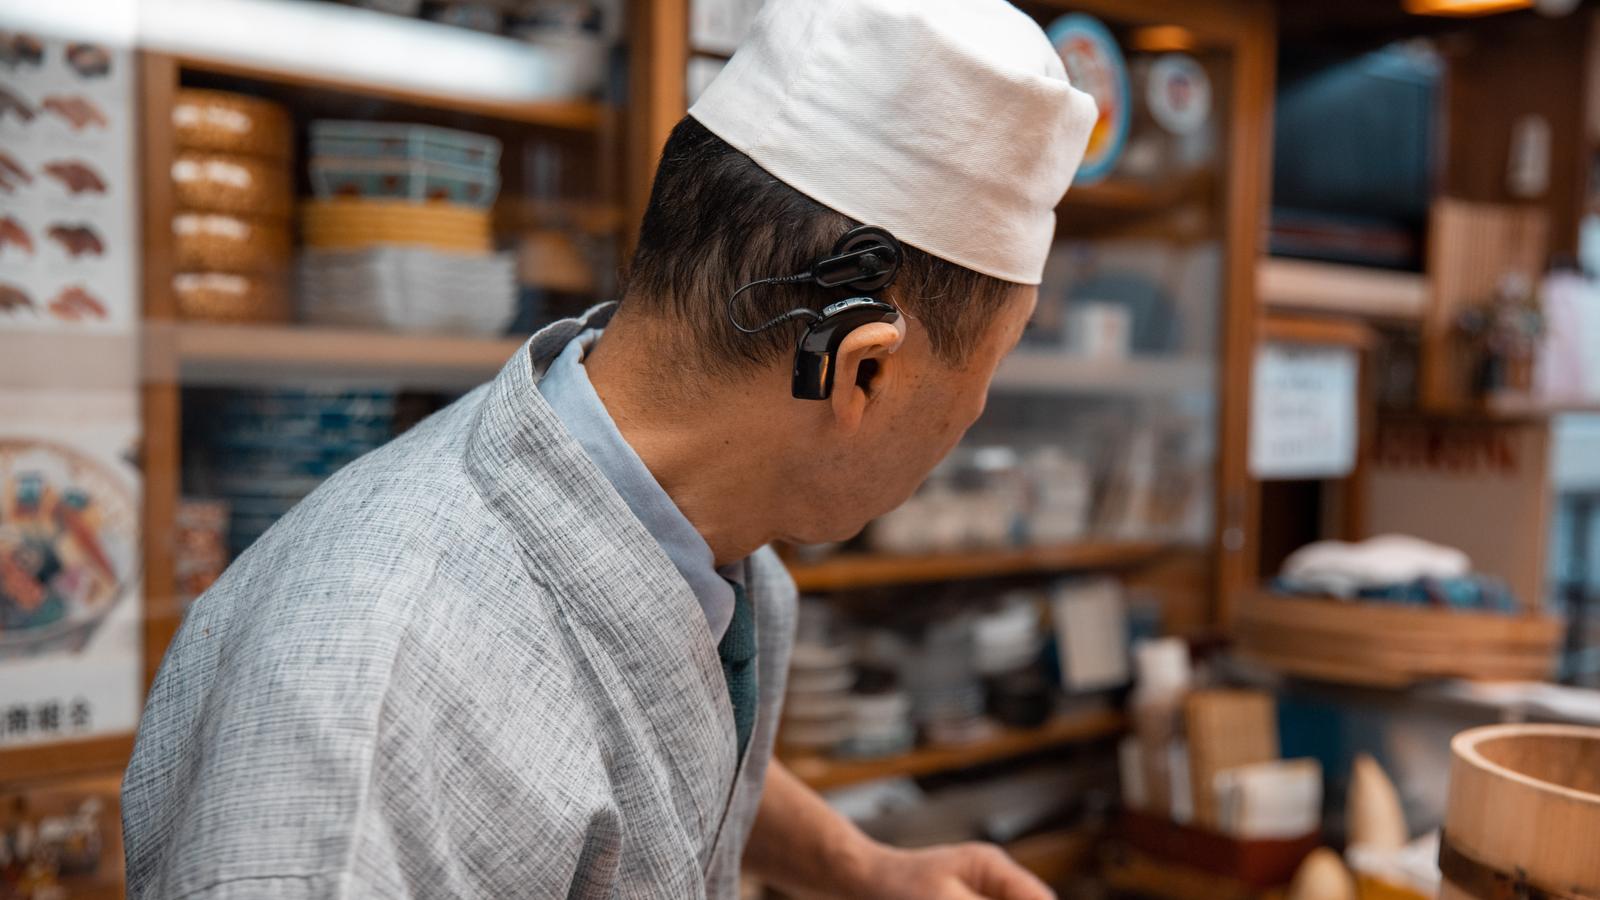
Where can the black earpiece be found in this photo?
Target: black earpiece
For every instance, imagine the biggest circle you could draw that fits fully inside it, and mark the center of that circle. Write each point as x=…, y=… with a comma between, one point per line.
x=864, y=261
x=818, y=350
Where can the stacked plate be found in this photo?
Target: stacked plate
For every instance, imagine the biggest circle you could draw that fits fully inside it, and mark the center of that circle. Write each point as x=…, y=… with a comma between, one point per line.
x=817, y=712
x=880, y=725
x=408, y=289
x=947, y=697
x=404, y=161
x=263, y=451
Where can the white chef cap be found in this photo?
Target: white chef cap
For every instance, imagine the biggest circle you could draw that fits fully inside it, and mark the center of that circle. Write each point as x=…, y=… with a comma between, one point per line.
x=949, y=122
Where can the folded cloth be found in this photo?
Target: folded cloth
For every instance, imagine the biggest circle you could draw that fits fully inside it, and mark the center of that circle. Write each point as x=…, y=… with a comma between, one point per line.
x=1343, y=569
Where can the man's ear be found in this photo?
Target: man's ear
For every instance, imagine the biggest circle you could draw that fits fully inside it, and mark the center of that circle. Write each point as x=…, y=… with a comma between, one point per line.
x=863, y=368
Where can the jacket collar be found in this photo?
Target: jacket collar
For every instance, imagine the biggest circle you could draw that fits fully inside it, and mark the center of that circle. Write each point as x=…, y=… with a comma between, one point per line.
x=633, y=617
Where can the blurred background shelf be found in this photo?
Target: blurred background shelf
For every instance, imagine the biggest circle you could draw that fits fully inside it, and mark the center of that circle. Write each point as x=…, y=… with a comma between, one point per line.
x=858, y=570
x=1513, y=405
x=371, y=53
x=1307, y=286
x=1036, y=370
x=217, y=355
x=52, y=359
x=1138, y=197
x=1074, y=728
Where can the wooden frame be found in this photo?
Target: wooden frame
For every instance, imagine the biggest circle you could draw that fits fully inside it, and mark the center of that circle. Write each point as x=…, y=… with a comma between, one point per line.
x=1249, y=167
x=661, y=31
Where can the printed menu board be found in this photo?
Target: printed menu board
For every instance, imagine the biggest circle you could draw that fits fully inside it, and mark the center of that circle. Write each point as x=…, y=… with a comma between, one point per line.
x=68, y=195
x=70, y=601
x=1303, y=418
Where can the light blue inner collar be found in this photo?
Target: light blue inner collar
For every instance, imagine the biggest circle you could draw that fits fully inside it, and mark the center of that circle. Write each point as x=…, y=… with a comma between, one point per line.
x=566, y=387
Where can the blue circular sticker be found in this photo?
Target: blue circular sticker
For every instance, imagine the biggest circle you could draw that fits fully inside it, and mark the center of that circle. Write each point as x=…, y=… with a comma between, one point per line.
x=1095, y=66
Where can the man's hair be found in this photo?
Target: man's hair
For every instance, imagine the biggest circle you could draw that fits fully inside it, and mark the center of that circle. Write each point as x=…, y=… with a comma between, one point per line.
x=717, y=221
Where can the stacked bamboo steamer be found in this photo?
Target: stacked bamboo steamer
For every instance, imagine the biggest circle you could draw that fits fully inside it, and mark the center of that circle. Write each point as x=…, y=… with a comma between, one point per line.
x=1523, y=817
x=233, y=187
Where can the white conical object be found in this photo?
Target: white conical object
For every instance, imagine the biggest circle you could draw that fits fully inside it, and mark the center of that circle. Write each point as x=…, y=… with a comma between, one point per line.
x=1322, y=876
x=1372, y=809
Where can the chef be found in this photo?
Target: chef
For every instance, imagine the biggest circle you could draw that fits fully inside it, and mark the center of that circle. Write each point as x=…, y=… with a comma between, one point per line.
x=536, y=646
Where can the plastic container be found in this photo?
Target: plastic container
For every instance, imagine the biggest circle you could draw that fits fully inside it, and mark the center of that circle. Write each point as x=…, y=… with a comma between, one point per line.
x=358, y=140
x=415, y=180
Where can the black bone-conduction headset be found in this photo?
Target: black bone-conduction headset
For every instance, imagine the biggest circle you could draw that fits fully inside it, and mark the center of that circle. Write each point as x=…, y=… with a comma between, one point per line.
x=864, y=262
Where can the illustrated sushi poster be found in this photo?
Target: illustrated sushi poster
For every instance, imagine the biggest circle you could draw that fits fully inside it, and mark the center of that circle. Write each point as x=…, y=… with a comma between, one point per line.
x=68, y=193
x=71, y=610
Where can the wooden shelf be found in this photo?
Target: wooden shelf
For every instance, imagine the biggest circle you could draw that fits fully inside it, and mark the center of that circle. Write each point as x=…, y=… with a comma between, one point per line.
x=824, y=773
x=1136, y=196
x=201, y=354
x=856, y=570
x=1510, y=405
x=1036, y=370
x=342, y=48
x=1341, y=289
x=46, y=360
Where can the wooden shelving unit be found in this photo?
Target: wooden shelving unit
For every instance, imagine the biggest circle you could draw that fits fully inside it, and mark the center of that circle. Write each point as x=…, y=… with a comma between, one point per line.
x=204, y=354
x=320, y=59
x=856, y=570
x=824, y=773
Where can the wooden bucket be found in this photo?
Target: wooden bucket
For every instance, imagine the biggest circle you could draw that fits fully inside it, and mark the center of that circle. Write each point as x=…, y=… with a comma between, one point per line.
x=1524, y=814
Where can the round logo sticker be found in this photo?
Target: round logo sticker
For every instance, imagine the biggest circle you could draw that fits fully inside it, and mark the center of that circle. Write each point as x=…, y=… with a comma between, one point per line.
x=1179, y=93
x=1095, y=66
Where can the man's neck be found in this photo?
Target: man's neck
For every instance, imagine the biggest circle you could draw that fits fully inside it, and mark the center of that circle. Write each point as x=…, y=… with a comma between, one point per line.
x=714, y=456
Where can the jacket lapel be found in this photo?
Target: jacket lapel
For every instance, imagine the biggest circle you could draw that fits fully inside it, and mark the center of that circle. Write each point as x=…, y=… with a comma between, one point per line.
x=634, y=619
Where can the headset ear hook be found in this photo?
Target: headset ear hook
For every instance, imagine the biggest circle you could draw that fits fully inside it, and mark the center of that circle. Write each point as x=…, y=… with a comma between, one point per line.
x=864, y=261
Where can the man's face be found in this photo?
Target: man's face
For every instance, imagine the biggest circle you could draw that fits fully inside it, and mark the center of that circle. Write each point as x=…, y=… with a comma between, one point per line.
x=919, y=414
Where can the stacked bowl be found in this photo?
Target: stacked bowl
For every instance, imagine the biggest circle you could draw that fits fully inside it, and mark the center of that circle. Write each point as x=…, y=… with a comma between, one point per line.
x=233, y=191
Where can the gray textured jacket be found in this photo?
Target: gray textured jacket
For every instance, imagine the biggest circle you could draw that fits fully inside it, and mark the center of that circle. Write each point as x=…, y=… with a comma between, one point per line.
x=460, y=668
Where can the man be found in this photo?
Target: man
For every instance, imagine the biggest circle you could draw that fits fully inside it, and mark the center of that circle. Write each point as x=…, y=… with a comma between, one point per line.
x=536, y=646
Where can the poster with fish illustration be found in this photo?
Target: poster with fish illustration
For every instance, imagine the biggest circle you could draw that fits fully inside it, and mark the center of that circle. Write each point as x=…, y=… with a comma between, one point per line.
x=71, y=609
x=68, y=193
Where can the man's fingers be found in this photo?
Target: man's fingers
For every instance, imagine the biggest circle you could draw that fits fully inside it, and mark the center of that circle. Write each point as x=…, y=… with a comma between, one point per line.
x=996, y=876
x=955, y=890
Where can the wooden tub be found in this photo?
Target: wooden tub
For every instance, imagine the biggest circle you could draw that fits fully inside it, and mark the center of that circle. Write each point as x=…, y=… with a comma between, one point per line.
x=1523, y=814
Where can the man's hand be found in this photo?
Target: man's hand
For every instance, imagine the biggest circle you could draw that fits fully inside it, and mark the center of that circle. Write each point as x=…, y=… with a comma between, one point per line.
x=955, y=872
x=808, y=850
